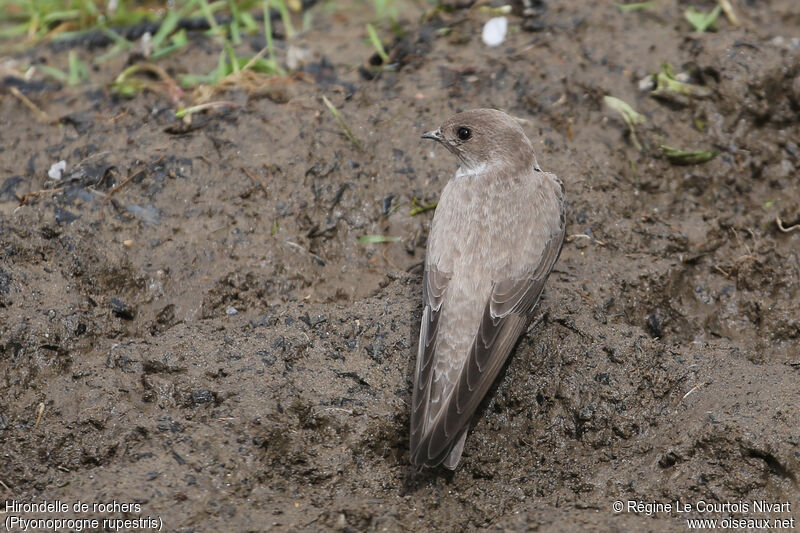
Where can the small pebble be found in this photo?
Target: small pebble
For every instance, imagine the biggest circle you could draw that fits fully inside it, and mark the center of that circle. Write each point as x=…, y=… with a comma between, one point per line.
x=231, y=310
x=122, y=309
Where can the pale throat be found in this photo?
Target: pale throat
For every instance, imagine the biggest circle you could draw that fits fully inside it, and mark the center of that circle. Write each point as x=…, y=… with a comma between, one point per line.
x=467, y=170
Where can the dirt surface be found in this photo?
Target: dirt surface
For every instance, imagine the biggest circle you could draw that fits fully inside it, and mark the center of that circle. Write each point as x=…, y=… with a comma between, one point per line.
x=208, y=339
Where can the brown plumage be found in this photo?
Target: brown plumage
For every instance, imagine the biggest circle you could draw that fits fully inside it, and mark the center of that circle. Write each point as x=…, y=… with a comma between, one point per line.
x=497, y=231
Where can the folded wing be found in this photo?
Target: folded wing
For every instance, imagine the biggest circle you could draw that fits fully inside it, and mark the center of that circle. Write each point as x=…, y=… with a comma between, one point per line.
x=437, y=427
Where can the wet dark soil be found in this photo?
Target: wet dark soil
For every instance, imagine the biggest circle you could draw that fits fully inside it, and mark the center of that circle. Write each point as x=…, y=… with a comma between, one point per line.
x=189, y=322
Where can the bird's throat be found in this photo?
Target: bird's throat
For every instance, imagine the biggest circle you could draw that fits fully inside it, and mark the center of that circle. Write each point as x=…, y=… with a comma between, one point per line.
x=470, y=171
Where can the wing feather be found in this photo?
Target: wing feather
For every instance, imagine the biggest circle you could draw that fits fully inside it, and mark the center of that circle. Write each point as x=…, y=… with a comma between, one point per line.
x=434, y=288
x=506, y=315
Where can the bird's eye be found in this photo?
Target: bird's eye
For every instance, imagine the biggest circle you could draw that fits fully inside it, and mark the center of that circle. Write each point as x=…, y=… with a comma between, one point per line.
x=464, y=134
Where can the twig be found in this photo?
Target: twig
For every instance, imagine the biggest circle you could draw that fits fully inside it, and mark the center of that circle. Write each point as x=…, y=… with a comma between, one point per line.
x=121, y=185
x=727, y=8
x=35, y=194
x=726, y=274
x=255, y=58
x=296, y=246
x=181, y=113
x=742, y=244
x=4, y=485
x=341, y=409
x=781, y=227
x=255, y=180
x=41, y=115
x=299, y=248
x=570, y=325
x=696, y=387
x=584, y=295
x=119, y=116
x=39, y=416
x=129, y=179
x=173, y=89
x=571, y=238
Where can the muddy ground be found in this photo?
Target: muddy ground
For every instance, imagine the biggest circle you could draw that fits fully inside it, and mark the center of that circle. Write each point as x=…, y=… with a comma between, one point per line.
x=210, y=340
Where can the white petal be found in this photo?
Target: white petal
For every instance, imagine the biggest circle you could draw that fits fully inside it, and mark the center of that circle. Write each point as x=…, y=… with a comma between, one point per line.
x=494, y=31
x=57, y=170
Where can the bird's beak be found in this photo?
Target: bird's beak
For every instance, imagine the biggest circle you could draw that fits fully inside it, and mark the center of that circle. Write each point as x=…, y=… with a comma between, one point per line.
x=435, y=135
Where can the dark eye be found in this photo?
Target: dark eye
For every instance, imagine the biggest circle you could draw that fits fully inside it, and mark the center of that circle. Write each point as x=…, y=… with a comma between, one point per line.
x=464, y=134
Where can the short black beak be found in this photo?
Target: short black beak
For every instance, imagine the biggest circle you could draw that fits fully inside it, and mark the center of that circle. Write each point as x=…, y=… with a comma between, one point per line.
x=435, y=135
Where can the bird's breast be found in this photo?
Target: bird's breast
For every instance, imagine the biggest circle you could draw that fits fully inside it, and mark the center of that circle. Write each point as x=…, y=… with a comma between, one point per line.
x=493, y=229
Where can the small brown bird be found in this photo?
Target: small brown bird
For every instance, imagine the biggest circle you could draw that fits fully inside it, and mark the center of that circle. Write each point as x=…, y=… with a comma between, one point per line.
x=497, y=231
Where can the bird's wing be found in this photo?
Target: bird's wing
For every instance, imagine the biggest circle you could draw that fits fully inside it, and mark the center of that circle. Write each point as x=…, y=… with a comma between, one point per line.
x=505, y=317
x=434, y=286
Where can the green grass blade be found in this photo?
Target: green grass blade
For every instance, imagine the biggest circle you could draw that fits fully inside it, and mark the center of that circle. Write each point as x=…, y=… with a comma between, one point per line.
x=681, y=157
x=376, y=43
x=14, y=31
x=236, y=35
x=234, y=61
x=205, y=8
x=77, y=69
x=638, y=6
x=53, y=73
x=702, y=21
x=112, y=52
x=629, y=115
x=285, y=18
x=423, y=208
x=116, y=37
x=59, y=16
x=248, y=22
x=167, y=27
x=341, y=121
x=377, y=239
x=268, y=30
x=179, y=40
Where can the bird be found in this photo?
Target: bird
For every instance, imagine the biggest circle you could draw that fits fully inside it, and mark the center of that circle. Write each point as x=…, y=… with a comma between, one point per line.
x=497, y=231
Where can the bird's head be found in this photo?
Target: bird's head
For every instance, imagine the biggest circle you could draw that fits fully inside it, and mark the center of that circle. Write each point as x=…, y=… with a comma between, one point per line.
x=485, y=137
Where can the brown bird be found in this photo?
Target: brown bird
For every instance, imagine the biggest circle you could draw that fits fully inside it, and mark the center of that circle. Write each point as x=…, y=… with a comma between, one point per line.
x=497, y=231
